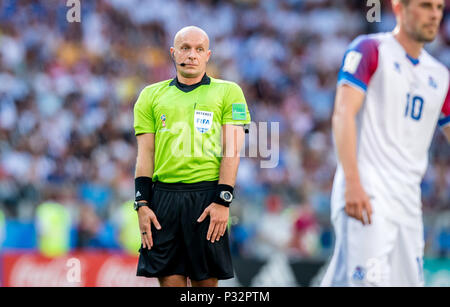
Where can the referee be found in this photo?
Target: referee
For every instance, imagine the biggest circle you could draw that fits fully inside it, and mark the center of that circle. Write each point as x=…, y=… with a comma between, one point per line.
x=189, y=132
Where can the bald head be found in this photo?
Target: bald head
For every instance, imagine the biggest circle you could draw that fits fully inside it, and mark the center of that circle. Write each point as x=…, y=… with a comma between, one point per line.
x=190, y=53
x=189, y=33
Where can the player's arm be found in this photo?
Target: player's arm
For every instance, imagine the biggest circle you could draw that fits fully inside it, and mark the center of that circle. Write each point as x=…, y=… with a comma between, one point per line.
x=359, y=65
x=444, y=122
x=446, y=131
x=232, y=139
x=348, y=102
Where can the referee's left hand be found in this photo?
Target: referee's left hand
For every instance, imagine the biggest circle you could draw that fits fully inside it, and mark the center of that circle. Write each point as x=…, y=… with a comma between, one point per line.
x=218, y=216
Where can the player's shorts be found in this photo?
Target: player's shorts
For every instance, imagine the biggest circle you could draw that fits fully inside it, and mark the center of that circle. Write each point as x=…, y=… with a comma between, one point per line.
x=383, y=253
x=181, y=247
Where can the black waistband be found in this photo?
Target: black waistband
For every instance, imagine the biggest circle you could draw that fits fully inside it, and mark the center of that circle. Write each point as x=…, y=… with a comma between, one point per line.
x=186, y=187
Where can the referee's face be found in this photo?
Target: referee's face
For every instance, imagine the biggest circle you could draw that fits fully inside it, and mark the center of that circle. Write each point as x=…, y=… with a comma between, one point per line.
x=191, y=49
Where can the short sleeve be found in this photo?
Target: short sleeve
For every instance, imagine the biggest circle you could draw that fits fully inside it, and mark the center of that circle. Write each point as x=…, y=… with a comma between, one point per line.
x=445, y=112
x=143, y=113
x=360, y=63
x=235, y=110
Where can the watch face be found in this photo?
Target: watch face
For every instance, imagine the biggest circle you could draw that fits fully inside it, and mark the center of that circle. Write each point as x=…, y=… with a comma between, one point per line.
x=227, y=196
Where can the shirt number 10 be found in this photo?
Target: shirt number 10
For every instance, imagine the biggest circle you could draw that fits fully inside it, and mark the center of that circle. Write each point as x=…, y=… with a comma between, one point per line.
x=414, y=107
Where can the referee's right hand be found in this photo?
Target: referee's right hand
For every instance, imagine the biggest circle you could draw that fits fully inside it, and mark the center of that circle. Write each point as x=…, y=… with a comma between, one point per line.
x=146, y=216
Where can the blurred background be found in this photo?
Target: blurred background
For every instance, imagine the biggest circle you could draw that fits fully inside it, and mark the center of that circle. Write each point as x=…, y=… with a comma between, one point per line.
x=67, y=144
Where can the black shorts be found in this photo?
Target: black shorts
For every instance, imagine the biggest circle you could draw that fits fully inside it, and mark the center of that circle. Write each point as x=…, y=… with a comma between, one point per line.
x=180, y=247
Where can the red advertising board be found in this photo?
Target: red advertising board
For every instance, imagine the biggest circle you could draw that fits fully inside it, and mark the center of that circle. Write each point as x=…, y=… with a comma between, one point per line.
x=81, y=269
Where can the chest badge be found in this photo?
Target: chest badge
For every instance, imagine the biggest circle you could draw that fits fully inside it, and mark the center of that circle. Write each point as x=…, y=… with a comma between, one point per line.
x=163, y=120
x=432, y=83
x=203, y=120
x=397, y=67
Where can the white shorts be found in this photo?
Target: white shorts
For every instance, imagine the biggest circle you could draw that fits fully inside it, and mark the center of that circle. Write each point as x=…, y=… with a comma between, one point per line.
x=381, y=254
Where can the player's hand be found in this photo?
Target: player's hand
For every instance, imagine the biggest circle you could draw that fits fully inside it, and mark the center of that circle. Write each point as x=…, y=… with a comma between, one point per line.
x=357, y=203
x=146, y=216
x=218, y=221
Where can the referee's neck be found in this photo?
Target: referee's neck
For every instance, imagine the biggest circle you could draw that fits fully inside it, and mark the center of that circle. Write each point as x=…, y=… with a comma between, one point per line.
x=190, y=81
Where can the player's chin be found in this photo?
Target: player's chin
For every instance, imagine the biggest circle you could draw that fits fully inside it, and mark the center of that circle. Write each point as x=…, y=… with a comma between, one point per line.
x=428, y=35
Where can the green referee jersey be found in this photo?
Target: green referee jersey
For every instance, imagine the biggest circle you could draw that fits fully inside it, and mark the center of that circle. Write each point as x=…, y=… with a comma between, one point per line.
x=187, y=122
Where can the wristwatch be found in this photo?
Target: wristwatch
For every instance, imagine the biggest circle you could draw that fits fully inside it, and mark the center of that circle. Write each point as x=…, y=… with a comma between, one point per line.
x=226, y=196
x=138, y=204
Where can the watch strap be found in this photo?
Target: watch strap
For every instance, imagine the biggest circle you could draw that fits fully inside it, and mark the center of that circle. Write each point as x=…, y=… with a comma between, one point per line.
x=220, y=188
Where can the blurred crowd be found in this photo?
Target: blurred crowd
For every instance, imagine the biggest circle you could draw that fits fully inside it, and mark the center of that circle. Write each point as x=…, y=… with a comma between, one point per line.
x=67, y=92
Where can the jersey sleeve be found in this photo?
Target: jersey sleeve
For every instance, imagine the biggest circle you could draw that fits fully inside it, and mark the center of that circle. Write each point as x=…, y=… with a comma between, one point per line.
x=143, y=113
x=360, y=63
x=235, y=110
x=445, y=112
